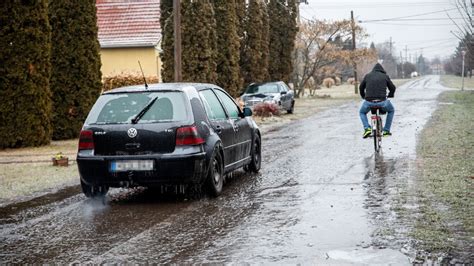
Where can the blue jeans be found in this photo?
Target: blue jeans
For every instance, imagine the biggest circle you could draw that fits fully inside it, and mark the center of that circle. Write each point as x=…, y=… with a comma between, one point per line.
x=386, y=105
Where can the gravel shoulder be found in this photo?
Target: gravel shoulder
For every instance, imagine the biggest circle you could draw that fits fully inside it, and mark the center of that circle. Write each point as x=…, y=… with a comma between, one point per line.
x=27, y=173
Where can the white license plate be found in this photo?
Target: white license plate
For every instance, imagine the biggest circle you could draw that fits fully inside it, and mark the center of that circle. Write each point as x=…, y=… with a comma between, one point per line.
x=132, y=165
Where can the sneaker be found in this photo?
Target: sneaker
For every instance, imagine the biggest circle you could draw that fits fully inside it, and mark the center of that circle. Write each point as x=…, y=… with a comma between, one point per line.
x=386, y=133
x=367, y=133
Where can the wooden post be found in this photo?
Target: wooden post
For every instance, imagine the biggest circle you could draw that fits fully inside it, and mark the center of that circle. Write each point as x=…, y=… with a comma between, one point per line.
x=354, y=64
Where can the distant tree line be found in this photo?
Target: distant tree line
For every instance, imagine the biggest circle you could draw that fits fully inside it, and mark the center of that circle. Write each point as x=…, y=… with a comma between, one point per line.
x=50, y=71
x=454, y=64
x=231, y=42
x=397, y=67
x=464, y=33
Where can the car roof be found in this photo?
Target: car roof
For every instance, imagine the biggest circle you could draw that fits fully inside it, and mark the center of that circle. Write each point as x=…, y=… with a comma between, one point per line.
x=262, y=83
x=181, y=86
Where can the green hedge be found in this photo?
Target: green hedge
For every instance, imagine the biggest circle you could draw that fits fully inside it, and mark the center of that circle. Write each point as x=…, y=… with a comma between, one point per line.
x=25, y=40
x=76, y=76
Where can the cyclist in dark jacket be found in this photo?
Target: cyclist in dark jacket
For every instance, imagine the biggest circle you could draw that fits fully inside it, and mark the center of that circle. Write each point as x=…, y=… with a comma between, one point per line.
x=373, y=89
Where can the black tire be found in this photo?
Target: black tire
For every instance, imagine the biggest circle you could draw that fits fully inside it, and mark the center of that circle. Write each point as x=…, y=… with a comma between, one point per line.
x=377, y=133
x=94, y=191
x=256, y=162
x=215, y=175
x=376, y=142
x=380, y=129
x=292, y=109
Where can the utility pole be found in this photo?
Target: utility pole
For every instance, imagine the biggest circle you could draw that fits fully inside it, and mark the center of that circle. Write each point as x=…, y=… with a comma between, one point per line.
x=415, y=60
x=406, y=53
x=390, y=46
x=401, y=59
x=354, y=64
x=178, y=77
x=463, y=56
x=296, y=78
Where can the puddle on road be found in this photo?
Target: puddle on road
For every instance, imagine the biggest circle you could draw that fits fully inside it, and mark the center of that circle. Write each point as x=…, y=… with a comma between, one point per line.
x=10, y=213
x=369, y=256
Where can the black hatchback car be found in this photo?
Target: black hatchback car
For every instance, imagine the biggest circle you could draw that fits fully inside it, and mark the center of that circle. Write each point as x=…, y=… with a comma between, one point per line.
x=176, y=134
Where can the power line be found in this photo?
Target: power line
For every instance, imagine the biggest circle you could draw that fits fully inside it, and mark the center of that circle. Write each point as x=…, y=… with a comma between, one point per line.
x=438, y=44
x=431, y=40
x=410, y=16
x=418, y=19
x=320, y=5
x=408, y=24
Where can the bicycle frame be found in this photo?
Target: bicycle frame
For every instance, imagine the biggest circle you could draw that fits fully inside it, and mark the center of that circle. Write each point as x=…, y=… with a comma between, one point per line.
x=377, y=126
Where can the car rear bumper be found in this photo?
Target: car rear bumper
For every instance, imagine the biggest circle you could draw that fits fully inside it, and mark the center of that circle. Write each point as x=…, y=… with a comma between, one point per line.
x=168, y=169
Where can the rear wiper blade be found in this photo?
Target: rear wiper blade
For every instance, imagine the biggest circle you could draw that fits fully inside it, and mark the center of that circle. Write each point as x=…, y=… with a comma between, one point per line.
x=143, y=111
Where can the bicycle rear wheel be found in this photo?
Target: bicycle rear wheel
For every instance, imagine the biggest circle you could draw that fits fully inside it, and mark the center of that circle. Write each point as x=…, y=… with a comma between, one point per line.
x=376, y=142
x=378, y=134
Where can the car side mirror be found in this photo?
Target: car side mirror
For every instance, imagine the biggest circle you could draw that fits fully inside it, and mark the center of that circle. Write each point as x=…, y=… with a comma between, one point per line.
x=283, y=92
x=247, y=112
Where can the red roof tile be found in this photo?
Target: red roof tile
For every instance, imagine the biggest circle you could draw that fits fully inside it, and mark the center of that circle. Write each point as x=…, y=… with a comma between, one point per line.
x=128, y=23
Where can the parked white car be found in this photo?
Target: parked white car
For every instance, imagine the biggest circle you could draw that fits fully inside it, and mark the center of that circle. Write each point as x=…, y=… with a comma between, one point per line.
x=269, y=92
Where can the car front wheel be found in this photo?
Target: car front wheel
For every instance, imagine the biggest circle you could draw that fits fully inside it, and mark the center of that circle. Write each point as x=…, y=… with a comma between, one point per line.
x=292, y=108
x=256, y=161
x=215, y=176
x=94, y=191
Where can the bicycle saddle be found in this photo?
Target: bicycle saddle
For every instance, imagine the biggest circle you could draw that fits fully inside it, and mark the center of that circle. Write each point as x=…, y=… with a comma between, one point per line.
x=374, y=108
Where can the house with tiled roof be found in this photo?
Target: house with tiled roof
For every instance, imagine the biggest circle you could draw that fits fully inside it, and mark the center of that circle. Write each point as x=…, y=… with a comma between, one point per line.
x=129, y=31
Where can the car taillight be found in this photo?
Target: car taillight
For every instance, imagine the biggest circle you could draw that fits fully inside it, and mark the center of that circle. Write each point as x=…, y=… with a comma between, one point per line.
x=188, y=136
x=86, y=142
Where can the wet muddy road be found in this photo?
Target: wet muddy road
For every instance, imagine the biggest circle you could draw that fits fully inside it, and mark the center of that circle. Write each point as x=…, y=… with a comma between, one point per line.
x=321, y=196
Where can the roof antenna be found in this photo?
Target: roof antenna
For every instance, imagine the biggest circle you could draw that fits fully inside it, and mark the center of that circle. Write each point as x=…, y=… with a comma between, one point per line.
x=143, y=75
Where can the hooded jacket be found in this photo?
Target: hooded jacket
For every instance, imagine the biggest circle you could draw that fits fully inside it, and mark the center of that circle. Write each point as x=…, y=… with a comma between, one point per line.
x=375, y=83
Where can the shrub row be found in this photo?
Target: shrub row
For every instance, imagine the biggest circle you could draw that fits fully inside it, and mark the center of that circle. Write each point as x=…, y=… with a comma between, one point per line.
x=266, y=109
x=112, y=82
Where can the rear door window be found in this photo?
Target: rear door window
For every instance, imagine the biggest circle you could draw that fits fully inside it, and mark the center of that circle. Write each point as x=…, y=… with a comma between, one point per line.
x=212, y=105
x=121, y=108
x=229, y=104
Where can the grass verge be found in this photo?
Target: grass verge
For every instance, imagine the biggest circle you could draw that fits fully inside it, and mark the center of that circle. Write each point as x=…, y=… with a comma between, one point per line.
x=28, y=171
x=445, y=183
x=455, y=82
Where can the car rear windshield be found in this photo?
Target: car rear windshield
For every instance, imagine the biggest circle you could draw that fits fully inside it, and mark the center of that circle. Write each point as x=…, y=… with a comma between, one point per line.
x=121, y=108
x=263, y=88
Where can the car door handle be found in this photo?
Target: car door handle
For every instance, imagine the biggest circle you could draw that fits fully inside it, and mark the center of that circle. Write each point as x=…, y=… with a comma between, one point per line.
x=218, y=129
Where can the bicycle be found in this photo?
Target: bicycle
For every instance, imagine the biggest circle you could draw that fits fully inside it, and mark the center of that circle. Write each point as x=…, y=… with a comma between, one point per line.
x=377, y=126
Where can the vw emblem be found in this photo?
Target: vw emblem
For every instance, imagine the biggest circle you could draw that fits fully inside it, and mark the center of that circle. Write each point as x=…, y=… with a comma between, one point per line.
x=132, y=132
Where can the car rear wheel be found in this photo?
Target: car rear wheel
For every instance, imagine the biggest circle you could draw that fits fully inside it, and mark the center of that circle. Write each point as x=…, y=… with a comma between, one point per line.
x=215, y=176
x=94, y=191
x=256, y=162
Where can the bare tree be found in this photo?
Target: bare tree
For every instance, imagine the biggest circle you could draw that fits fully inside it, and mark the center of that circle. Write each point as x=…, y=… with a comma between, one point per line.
x=316, y=52
x=464, y=33
x=464, y=30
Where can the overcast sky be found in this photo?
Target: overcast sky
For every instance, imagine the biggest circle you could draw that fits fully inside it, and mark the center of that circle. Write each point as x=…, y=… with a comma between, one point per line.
x=428, y=34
